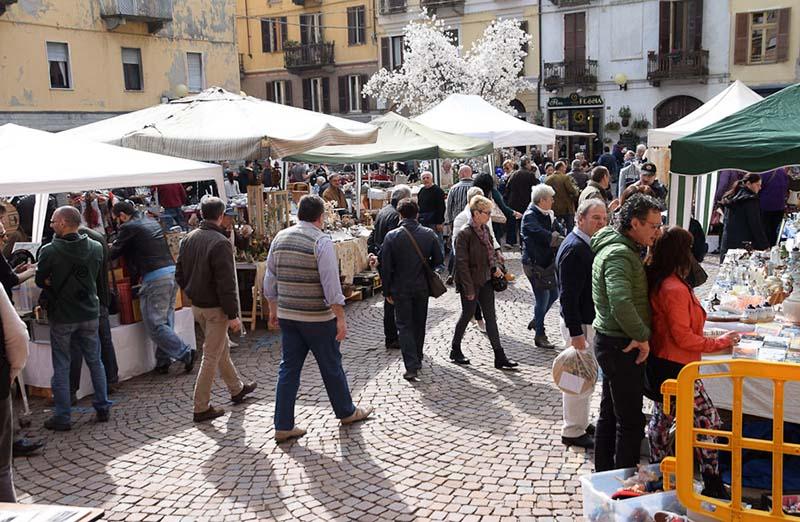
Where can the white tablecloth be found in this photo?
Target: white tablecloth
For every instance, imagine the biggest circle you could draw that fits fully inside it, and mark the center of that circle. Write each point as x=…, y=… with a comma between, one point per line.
x=135, y=353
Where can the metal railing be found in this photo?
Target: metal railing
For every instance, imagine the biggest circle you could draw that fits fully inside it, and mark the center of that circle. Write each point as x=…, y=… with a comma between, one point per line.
x=678, y=64
x=308, y=56
x=561, y=74
x=149, y=10
x=393, y=6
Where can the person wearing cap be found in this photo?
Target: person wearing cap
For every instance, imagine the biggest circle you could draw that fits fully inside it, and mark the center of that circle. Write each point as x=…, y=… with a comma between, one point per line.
x=335, y=193
x=647, y=177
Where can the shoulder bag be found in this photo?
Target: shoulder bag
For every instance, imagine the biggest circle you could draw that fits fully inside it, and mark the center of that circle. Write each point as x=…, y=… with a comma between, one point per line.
x=544, y=278
x=435, y=285
x=497, y=215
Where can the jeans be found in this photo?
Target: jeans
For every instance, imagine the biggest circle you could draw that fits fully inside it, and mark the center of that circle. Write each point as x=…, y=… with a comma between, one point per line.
x=544, y=300
x=83, y=336
x=412, y=316
x=620, y=426
x=440, y=237
x=107, y=355
x=576, y=407
x=389, y=324
x=216, y=356
x=484, y=297
x=7, y=493
x=157, y=302
x=512, y=230
x=297, y=339
x=173, y=217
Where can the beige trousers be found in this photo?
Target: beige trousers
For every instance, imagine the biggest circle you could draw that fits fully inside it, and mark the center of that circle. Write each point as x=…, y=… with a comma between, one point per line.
x=576, y=407
x=216, y=354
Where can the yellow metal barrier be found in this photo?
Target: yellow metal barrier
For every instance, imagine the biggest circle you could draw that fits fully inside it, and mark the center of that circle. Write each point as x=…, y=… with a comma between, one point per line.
x=686, y=438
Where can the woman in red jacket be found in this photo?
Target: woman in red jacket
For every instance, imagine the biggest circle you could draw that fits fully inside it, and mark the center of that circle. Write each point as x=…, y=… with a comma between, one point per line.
x=677, y=339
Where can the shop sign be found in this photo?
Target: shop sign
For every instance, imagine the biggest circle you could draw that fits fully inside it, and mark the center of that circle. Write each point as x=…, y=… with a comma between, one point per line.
x=574, y=100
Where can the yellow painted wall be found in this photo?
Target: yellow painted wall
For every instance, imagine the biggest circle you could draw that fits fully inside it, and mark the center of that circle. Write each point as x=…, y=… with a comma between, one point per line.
x=776, y=73
x=95, y=54
x=473, y=25
x=334, y=22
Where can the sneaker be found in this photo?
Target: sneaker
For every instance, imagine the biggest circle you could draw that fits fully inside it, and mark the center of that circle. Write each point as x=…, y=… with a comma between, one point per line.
x=247, y=389
x=284, y=435
x=358, y=415
x=55, y=425
x=189, y=360
x=103, y=415
x=24, y=447
x=209, y=414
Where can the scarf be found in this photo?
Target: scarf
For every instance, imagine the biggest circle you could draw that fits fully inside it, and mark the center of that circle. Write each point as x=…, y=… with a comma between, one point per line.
x=483, y=235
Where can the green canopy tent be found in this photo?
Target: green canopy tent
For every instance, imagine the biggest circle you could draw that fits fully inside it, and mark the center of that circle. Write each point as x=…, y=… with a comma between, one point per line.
x=399, y=139
x=761, y=137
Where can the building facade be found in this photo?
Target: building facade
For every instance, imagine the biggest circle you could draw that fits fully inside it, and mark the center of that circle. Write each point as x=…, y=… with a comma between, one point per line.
x=308, y=53
x=467, y=20
x=617, y=68
x=69, y=63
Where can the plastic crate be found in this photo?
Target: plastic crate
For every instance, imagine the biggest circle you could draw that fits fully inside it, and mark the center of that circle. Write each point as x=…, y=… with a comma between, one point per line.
x=597, y=489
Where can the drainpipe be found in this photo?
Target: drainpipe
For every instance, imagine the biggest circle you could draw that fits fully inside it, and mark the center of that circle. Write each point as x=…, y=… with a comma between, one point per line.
x=539, y=79
x=247, y=25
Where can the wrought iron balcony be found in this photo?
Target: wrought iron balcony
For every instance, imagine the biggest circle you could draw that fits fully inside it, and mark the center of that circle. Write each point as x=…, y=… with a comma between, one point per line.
x=308, y=56
x=393, y=6
x=434, y=5
x=676, y=65
x=581, y=73
x=153, y=12
x=569, y=3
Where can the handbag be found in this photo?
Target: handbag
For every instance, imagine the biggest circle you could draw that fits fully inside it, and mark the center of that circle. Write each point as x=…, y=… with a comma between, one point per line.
x=499, y=283
x=656, y=372
x=435, y=285
x=497, y=215
x=544, y=278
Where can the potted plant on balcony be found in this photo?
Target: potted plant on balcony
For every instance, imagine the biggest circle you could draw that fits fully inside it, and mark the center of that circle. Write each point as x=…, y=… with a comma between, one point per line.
x=612, y=126
x=640, y=123
x=625, y=115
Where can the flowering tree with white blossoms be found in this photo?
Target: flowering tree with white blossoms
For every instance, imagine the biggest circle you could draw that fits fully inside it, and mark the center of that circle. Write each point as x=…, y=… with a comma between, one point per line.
x=434, y=67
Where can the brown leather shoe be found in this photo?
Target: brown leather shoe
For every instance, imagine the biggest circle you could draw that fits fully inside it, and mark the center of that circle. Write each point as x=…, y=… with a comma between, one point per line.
x=247, y=389
x=210, y=413
x=284, y=435
x=360, y=414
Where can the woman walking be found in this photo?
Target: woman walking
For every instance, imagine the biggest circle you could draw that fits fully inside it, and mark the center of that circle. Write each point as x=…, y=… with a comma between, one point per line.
x=477, y=262
x=541, y=237
x=743, y=216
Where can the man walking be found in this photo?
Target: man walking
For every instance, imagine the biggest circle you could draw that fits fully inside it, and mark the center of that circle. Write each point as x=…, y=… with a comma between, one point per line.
x=518, y=196
x=205, y=270
x=456, y=201
x=305, y=299
x=566, y=195
x=579, y=177
x=574, y=270
x=597, y=187
x=142, y=242
x=608, y=161
x=431, y=206
x=387, y=220
x=405, y=281
x=67, y=271
x=622, y=326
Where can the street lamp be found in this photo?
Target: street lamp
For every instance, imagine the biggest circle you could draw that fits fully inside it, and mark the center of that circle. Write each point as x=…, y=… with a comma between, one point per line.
x=621, y=79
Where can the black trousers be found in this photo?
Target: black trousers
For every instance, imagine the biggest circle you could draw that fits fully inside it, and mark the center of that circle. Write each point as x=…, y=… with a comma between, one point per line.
x=389, y=324
x=484, y=298
x=620, y=426
x=411, y=313
x=771, y=221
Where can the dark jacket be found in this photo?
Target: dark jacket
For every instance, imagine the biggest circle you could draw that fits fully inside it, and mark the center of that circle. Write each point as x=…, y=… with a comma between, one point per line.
x=518, y=189
x=742, y=222
x=609, y=162
x=71, y=265
x=205, y=269
x=141, y=240
x=574, y=269
x=580, y=178
x=472, y=268
x=8, y=278
x=431, y=205
x=537, y=235
x=401, y=268
x=102, y=275
x=388, y=219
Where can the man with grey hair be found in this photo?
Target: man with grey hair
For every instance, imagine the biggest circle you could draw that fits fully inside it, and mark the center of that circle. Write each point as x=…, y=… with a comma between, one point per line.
x=574, y=270
x=431, y=206
x=388, y=219
x=68, y=273
x=579, y=177
x=629, y=173
x=456, y=201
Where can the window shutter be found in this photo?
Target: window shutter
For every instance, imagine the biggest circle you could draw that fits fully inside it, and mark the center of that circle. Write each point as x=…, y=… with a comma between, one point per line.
x=265, y=41
x=385, y=56
x=782, y=51
x=57, y=52
x=287, y=92
x=362, y=26
x=663, y=27
x=399, y=64
x=741, y=38
x=364, y=99
x=694, y=31
x=195, y=62
x=351, y=26
x=524, y=26
x=344, y=95
x=275, y=24
x=307, y=94
x=270, y=91
x=130, y=55
x=326, y=95
x=318, y=36
x=284, y=32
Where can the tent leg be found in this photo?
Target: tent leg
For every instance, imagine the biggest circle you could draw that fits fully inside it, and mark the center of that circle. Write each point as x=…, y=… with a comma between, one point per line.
x=39, y=214
x=359, y=175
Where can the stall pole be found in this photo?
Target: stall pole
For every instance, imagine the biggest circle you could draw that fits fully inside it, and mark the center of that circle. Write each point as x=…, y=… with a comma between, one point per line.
x=437, y=171
x=39, y=214
x=359, y=174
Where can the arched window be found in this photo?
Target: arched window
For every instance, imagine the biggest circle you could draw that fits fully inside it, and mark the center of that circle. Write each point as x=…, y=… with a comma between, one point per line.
x=673, y=109
x=519, y=107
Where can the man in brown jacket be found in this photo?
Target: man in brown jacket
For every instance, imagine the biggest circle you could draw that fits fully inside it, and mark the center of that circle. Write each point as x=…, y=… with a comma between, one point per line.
x=566, y=195
x=205, y=271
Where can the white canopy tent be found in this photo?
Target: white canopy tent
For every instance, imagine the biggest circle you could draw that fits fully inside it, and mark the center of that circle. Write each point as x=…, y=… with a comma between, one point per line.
x=84, y=165
x=219, y=125
x=471, y=115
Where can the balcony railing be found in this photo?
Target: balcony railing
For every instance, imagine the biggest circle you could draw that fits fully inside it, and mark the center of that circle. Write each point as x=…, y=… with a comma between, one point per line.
x=434, y=5
x=581, y=73
x=570, y=3
x=393, y=6
x=676, y=65
x=153, y=12
x=308, y=56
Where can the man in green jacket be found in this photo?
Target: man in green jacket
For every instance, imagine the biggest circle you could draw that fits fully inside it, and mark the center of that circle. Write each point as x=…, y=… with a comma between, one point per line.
x=67, y=272
x=622, y=325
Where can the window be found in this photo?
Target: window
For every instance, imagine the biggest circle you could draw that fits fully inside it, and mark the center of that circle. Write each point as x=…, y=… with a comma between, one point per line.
x=316, y=95
x=280, y=91
x=350, y=98
x=58, y=61
x=194, y=63
x=354, y=84
x=273, y=34
x=132, y=69
x=356, y=31
x=680, y=27
x=762, y=37
x=392, y=52
x=310, y=28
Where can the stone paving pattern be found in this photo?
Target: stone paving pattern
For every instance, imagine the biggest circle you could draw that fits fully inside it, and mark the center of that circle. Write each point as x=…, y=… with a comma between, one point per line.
x=465, y=443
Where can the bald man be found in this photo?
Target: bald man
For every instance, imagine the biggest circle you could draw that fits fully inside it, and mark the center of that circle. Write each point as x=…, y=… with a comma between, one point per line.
x=67, y=272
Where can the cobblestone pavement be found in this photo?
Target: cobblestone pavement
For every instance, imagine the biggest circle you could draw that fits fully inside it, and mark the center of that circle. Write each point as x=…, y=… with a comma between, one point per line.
x=465, y=443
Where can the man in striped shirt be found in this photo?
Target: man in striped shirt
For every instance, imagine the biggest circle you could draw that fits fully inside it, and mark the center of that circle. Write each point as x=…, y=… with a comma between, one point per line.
x=456, y=201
